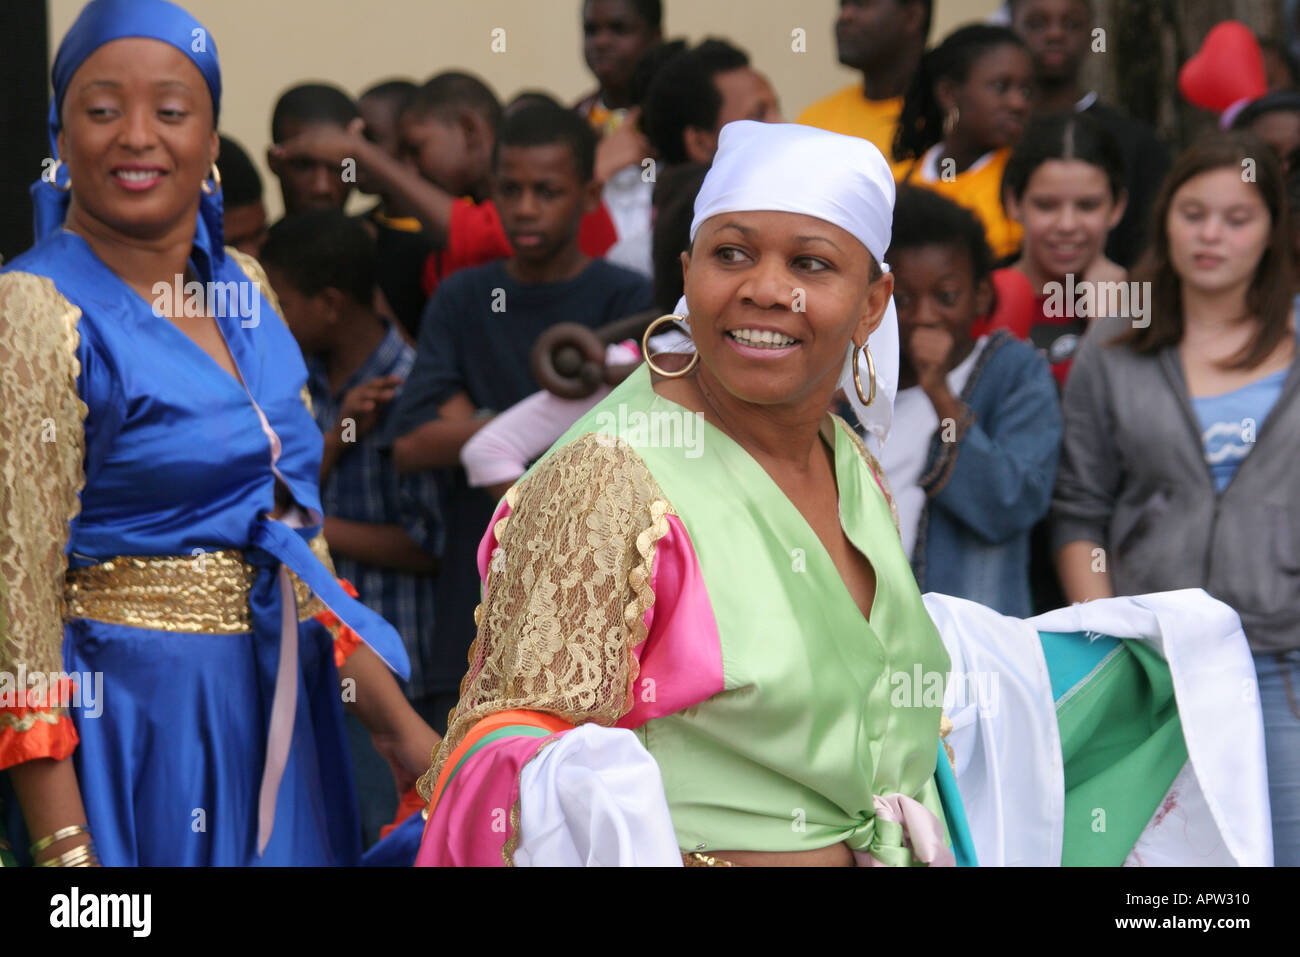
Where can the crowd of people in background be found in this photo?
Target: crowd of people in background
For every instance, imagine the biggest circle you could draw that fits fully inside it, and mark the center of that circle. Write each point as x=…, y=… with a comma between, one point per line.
x=1054, y=440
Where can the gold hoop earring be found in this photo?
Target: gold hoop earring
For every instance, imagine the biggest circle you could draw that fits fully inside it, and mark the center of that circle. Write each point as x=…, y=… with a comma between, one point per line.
x=645, y=350
x=950, y=121
x=216, y=182
x=871, y=371
x=52, y=177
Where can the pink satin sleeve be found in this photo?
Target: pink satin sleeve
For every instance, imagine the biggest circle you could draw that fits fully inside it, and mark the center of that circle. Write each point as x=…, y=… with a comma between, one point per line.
x=680, y=664
x=472, y=821
x=681, y=657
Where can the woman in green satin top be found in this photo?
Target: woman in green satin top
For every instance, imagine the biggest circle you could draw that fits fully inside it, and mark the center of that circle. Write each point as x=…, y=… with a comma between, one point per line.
x=709, y=557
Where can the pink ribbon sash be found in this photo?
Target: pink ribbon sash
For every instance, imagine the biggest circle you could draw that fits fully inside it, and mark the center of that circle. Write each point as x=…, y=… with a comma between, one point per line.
x=922, y=831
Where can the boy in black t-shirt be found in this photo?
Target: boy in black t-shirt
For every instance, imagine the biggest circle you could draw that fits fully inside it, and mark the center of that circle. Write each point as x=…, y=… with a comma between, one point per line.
x=472, y=359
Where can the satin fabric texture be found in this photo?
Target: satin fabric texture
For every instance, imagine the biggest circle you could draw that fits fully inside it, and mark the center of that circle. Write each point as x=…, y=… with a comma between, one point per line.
x=181, y=459
x=774, y=721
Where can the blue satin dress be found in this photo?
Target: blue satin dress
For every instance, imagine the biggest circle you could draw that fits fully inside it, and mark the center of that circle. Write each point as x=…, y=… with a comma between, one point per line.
x=177, y=459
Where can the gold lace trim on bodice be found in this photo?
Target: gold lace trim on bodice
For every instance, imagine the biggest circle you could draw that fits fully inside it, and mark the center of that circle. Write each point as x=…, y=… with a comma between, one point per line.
x=566, y=594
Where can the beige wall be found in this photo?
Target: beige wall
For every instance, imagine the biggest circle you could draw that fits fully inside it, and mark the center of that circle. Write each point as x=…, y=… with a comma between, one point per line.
x=267, y=46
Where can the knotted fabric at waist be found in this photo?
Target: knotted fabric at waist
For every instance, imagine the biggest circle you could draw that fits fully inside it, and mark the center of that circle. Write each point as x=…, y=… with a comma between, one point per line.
x=206, y=593
x=902, y=832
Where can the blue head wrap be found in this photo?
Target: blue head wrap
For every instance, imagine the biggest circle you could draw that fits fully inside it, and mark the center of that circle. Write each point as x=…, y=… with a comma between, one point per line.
x=103, y=21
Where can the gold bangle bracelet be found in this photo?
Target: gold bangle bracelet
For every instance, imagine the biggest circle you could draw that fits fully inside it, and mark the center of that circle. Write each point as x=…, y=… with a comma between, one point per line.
x=80, y=853
x=83, y=855
x=57, y=836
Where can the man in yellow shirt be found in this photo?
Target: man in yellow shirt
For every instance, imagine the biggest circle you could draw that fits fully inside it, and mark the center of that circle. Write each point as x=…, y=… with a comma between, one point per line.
x=884, y=39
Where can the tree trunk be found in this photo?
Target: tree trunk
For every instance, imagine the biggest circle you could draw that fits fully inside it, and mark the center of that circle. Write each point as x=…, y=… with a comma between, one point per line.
x=1147, y=41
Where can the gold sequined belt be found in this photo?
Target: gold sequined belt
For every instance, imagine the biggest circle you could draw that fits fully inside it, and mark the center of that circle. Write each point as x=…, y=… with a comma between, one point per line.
x=696, y=859
x=204, y=594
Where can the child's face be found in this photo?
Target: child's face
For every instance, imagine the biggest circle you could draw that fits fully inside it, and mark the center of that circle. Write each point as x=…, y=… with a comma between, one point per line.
x=307, y=183
x=1218, y=228
x=381, y=129
x=541, y=199
x=443, y=151
x=614, y=40
x=309, y=318
x=935, y=288
x=1057, y=34
x=381, y=122
x=1067, y=211
x=993, y=103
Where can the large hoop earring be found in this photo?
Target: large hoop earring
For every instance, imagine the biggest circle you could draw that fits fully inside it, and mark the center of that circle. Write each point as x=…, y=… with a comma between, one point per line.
x=53, y=177
x=871, y=370
x=216, y=182
x=645, y=350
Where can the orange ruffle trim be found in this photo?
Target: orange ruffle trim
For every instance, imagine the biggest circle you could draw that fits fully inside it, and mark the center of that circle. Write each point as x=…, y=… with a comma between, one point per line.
x=41, y=740
x=346, y=640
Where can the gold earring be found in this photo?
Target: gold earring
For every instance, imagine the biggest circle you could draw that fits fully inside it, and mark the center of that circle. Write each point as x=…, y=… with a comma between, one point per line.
x=216, y=181
x=53, y=177
x=871, y=371
x=950, y=121
x=645, y=350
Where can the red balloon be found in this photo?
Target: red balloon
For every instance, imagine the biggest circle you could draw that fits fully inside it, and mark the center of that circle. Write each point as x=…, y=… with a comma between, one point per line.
x=1228, y=67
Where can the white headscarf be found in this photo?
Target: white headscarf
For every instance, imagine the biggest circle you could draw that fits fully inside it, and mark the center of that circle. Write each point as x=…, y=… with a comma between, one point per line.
x=844, y=180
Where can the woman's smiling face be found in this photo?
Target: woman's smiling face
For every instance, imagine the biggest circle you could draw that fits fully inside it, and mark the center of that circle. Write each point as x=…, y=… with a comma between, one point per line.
x=137, y=136
x=775, y=299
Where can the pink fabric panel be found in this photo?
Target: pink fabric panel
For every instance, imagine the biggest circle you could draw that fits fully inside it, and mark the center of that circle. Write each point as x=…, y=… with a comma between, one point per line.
x=471, y=823
x=681, y=658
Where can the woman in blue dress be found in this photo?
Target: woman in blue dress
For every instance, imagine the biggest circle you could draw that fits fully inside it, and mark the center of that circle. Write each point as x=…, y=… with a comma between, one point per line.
x=169, y=692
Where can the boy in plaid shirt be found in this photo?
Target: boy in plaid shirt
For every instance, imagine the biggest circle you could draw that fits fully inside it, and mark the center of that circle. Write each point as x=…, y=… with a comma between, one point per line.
x=382, y=528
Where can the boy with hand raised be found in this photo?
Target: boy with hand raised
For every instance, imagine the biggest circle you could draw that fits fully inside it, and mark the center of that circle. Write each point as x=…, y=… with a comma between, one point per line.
x=447, y=133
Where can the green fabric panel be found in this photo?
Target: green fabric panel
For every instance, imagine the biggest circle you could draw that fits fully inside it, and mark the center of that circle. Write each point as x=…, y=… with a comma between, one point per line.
x=806, y=729
x=1122, y=746
x=1071, y=657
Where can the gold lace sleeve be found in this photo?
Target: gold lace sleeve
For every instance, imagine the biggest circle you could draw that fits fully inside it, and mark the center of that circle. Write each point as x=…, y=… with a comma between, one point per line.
x=567, y=590
x=42, y=444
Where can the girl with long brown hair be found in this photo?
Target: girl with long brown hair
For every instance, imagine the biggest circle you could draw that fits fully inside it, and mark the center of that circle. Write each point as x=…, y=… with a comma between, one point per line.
x=1182, y=432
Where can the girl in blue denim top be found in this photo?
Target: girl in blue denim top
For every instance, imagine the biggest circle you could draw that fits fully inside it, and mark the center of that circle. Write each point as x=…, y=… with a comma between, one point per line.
x=977, y=425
